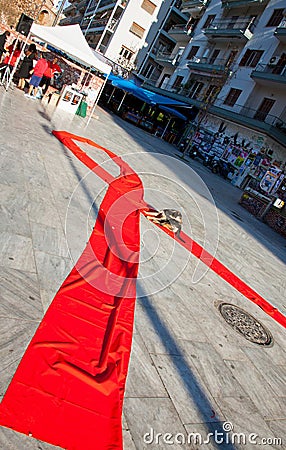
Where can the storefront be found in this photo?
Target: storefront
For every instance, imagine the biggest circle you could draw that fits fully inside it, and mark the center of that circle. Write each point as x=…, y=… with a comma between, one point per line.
x=267, y=201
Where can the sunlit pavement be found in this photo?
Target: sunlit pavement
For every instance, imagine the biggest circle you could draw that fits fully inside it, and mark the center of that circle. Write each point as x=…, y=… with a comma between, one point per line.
x=190, y=371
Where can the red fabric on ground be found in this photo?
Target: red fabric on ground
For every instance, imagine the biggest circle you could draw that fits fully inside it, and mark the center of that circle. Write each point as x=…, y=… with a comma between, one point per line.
x=68, y=389
x=69, y=386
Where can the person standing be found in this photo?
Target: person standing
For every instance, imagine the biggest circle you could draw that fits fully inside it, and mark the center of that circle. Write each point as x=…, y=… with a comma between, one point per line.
x=14, y=51
x=26, y=66
x=35, y=80
x=3, y=39
x=53, y=68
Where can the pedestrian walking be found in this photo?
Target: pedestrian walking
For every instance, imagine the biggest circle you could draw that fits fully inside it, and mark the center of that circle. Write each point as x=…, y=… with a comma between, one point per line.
x=35, y=80
x=48, y=76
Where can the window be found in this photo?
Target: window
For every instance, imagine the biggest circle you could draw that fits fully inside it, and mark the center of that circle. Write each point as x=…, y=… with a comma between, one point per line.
x=192, y=24
x=232, y=97
x=126, y=53
x=148, y=70
x=276, y=18
x=194, y=50
x=264, y=109
x=214, y=56
x=209, y=21
x=148, y=6
x=251, y=58
x=178, y=81
x=211, y=93
x=196, y=88
x=137, y=30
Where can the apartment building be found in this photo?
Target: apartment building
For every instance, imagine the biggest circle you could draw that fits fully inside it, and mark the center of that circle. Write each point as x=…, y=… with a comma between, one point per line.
x=74, y=12
x=229, y=59
x=117, y=29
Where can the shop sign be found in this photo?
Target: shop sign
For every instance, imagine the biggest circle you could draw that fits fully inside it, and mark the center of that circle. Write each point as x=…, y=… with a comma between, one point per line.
x=279, y=203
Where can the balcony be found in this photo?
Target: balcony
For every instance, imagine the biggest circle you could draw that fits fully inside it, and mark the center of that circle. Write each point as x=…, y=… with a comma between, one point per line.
x=217, y=67
x=168, y=36
x=240, y=3
x=166, y=58
x=270, y=75
x=240, y=30
x=82, y=5
x=95, y=25
x=101, y=4
x=280, y=31
x=193, y=6
x=181, y=33
x=271, y=125
x=71, y=20
x=70, y=9
x=176, y=9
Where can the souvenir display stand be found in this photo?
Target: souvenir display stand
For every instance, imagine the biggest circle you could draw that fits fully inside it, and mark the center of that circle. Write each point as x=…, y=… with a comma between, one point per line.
x=70, y=99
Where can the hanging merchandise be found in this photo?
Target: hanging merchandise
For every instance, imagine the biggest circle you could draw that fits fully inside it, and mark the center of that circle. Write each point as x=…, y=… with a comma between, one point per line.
x=268, y=181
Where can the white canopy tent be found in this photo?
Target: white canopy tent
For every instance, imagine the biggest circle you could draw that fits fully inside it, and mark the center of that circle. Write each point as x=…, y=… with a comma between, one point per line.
x=71, y=41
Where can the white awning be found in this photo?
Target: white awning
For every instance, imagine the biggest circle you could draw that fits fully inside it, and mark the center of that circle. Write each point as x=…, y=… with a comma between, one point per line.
x=71, y=41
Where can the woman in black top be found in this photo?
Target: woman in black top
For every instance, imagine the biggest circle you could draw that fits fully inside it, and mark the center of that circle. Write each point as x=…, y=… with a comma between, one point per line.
x=27, y=66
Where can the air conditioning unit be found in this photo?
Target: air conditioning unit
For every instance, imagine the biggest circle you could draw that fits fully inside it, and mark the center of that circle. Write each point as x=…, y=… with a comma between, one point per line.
x=274, y=61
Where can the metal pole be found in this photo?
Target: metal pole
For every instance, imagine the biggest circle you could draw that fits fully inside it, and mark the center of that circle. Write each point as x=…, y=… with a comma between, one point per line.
x=163, y=134
x=86, y=79
x=60, y=10
x=111, y=95
x=92, y=17
x=123, y=98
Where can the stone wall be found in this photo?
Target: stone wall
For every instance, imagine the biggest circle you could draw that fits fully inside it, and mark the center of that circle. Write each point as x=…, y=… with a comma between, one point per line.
x=42, y=12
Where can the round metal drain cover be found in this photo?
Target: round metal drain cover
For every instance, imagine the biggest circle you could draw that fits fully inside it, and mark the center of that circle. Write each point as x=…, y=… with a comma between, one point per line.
x=245, y=324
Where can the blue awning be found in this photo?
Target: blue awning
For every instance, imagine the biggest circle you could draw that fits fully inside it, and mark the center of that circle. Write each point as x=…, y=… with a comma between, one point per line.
x=147, y=96
x=173, y=112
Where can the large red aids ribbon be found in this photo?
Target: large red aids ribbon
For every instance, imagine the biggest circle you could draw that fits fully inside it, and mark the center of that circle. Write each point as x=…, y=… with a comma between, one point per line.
x=68, y=389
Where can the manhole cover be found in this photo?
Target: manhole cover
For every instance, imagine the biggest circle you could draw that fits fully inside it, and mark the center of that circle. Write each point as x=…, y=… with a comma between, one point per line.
x=245, y=324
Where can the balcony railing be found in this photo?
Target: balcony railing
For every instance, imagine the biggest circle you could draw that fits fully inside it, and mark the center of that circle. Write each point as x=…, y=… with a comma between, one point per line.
x=188, y=5
x=181, y=30
x=261, y=116
x=280, y=31
x=166, y=57
x=282, y=24
x=239, y=3
x=216, y=66
x=100, y=4
x=96, y=23
x=241, y=24
x=270, y=72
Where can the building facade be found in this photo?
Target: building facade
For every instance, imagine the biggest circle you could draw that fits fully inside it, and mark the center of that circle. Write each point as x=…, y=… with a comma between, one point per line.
x=229, y=59
x=74, y=12
x=116, y=29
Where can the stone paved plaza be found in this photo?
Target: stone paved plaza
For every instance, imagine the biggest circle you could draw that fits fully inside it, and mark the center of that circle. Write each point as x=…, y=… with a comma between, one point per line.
x=189, y=372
